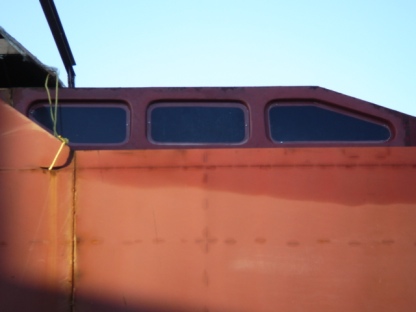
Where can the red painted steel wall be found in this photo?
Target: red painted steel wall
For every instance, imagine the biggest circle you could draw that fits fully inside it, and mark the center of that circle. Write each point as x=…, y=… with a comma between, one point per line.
x=247, y=230
x=241, y=229
x=36, y=218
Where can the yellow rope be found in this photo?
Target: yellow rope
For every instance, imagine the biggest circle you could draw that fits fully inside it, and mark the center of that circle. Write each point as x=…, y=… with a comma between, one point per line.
x=64, y=141
x=54, y=117
x=53, y=110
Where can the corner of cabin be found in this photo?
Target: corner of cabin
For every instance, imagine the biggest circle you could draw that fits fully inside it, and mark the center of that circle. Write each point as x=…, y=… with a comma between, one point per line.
x=25, y=145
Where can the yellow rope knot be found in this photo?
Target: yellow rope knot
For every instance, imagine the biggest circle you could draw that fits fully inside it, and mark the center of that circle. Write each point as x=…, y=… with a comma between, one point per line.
x=64, y=141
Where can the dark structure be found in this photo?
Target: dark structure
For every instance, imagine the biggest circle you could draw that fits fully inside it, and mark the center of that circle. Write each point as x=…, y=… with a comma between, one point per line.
x=19, y=68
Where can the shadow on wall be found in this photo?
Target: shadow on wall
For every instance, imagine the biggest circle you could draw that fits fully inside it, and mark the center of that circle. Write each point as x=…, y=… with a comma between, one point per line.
x=19, y=298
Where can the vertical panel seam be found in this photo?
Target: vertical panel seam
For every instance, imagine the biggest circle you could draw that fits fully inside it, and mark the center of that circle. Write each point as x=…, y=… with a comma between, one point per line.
x=73, y=241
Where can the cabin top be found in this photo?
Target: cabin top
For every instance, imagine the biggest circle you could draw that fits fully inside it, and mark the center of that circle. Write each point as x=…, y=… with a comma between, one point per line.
x=215, y=117
x=166, y=118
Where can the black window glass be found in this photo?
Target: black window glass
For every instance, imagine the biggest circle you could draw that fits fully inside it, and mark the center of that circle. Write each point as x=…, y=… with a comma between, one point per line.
x=86, y=124
x=312, y=123
x=197, y=124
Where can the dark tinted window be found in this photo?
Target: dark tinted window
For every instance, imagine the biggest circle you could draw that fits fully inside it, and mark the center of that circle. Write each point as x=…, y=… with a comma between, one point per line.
x=313, y=123
x=176, y=123
x=83, y=124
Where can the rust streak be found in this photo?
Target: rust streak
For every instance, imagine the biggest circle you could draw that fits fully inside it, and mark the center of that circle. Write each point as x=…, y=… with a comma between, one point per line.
x=205, y=278
x=155, y=225
x=293, y=243
x=74, y=237
x=230, y=241
x=388, y=242
x=53, y=227
x=324, y=241
x=260, y=240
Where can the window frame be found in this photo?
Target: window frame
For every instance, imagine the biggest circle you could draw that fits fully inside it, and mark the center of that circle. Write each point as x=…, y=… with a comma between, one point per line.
x=342, y=111
x=88, y=104
x=198, y=103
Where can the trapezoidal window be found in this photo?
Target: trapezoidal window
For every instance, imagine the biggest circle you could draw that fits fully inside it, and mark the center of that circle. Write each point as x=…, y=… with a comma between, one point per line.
x=315, y=123
x=197, y=123
x=86, y=123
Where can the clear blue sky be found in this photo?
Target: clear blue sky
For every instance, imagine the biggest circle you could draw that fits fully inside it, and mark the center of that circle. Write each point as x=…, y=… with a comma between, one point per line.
x=362, y=48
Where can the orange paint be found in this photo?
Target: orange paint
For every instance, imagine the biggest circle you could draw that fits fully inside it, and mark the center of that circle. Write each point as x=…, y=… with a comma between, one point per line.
x=35, y=217
x=248, y=230
x=241, y=229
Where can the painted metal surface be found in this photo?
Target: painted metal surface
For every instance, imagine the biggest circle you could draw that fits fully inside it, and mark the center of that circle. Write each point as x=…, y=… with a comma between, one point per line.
x=256, y=99
x=36, y=218
x=239, y=229
x=246, y=230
